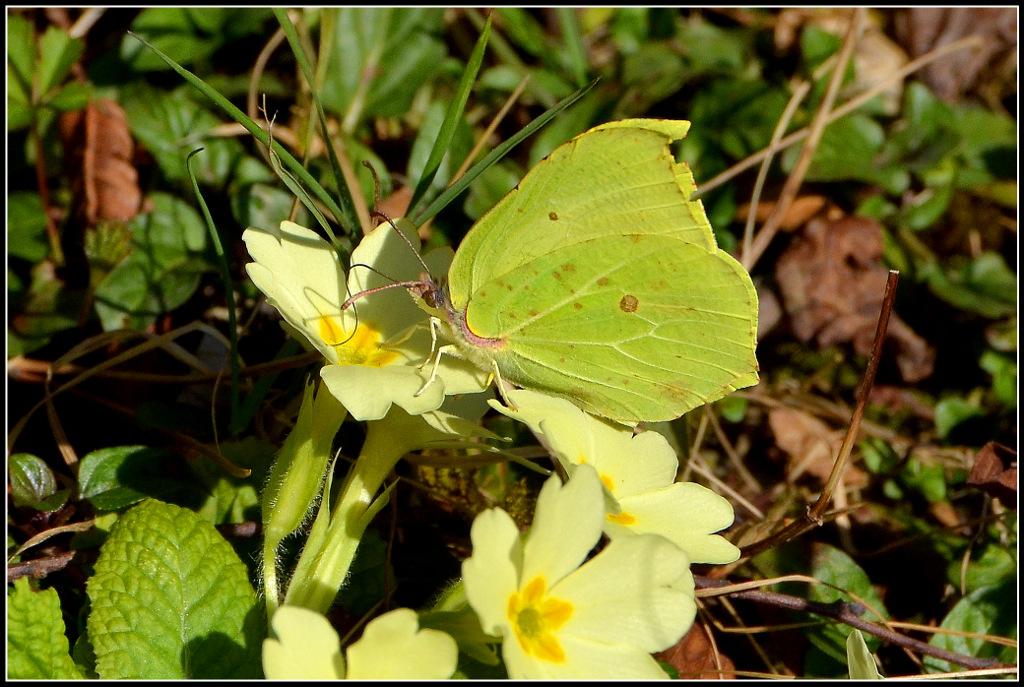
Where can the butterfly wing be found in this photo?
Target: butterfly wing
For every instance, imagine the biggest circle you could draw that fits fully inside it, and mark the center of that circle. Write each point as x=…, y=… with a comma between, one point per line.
x=631, y=327
x=610, y=180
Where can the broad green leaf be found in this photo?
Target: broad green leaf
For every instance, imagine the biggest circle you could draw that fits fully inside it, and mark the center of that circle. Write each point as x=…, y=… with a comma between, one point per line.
x=113, y=478
x=37, y=648
x=231, y=499
x=836, y=568
x=986, y=611
x=32, y=483
x=171, y=600
x=1004, y=376
x=990, y=565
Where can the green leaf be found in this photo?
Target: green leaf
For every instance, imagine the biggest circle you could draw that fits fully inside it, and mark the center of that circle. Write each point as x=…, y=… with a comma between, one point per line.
x=37, y=648
x=453, y=118
x=834, y=567
x=817, y=46
x=849, y=149
x=525, y=31
x=171, y=600
x=189, y=35
x=393, y=47
x=33, y=483
x=21, y=59
x=162, y=271
x=950, y=412
x=26, y=227
x=987, y=611
x=113, y=478
x=232, y=499
x=858, y=656
x=57, y=53
x=1004, y=376
x=171, y=125
x=489, y=188
x=990, y=566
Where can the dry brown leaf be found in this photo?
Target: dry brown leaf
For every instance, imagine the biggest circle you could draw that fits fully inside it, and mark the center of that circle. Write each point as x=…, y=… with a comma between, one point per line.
x=995, y=472
x=808, y=442
x=800, y=211
x=100, y=149
x=832, y=281
x=923, y=29
x=694, y=657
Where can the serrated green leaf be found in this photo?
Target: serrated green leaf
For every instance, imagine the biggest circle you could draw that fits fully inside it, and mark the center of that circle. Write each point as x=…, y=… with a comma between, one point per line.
x=171, y=600
x=987, y=611
x=37, y=648
x=33, y=483
x=859, y=658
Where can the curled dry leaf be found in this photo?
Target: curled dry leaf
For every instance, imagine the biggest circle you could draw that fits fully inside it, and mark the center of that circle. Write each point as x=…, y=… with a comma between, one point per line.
x=995, y=472
x=832, y=281
x=99, y=149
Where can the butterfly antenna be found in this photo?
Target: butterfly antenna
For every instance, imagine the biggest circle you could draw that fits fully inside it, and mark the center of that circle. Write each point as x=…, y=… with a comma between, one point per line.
x=381, y=215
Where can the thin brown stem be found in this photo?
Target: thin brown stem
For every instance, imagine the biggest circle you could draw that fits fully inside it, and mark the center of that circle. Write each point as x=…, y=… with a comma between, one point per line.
x=813, y=517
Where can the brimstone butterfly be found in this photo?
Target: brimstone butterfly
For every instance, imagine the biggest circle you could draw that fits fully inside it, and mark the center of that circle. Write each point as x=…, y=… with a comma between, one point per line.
x=597, y=280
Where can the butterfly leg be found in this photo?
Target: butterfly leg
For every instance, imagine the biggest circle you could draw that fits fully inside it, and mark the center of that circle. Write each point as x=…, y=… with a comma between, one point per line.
x=500, y=383
x=450, y=350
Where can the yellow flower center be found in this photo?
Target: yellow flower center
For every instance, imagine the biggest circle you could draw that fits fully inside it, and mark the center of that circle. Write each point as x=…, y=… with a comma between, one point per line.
x=622, y=518
x=361, y=348
x=536, y=619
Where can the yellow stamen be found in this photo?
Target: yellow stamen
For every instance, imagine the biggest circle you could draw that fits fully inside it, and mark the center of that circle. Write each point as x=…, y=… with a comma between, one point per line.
x=361, y=348
x=536, y=618
x=622, y=518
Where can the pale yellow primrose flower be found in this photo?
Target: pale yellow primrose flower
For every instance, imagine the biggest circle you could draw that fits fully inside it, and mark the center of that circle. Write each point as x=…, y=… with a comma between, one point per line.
x=560, y=620
x=638, y=473
x=375, y=349
x=392, y=648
